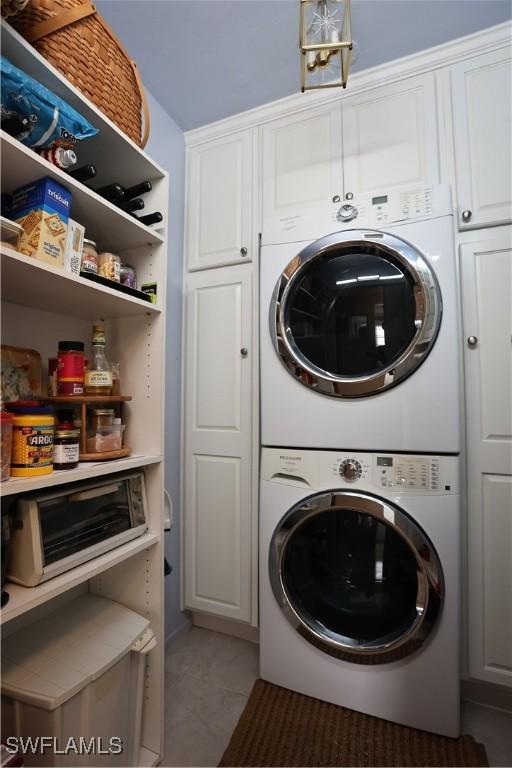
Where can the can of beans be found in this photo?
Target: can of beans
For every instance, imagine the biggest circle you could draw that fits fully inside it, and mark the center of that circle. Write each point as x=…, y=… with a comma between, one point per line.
x=70, y=368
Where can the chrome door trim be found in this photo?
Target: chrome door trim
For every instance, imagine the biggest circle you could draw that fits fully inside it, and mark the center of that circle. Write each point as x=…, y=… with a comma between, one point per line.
x=430, y=593
x=428, y=316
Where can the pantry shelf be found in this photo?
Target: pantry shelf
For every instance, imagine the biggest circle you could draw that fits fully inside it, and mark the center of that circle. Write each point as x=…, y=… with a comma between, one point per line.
x=104, y=222
x=84, y=471
x=22, y=599
x=33, y=283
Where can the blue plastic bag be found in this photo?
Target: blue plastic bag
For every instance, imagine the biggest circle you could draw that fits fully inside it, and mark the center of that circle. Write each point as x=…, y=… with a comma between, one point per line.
x=36, y=116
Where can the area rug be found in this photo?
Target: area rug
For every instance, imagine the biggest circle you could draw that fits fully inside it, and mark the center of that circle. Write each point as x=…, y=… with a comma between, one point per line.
x=281, y=728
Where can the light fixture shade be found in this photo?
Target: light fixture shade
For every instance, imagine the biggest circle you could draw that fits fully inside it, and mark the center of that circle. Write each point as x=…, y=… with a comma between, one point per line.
x=325, y=43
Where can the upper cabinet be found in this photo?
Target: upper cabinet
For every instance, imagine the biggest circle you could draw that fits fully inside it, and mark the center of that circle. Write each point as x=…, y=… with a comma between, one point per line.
x=481, y=93
x=220, y=201
x=390, y=136
x=301, y=162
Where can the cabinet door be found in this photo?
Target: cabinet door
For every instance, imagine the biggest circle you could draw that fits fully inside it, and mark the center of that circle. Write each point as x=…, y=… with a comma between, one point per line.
x=218, y=562
x=487, y=298
x=301, y=163
x=390, y=137
x=219, y=202
x=482, y=94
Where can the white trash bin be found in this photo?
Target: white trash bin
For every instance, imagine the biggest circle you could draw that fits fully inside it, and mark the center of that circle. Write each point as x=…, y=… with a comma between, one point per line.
x=77, y=677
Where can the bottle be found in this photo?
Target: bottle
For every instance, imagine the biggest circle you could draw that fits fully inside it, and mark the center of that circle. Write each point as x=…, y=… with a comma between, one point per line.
x=98, y=377
x=112, y=192
x=137, y=189
x=150, y=218
x=83, y=173
x=137, y=204
x=62, y=158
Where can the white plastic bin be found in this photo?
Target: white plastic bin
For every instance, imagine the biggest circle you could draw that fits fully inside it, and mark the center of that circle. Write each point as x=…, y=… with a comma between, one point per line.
x=78, y=672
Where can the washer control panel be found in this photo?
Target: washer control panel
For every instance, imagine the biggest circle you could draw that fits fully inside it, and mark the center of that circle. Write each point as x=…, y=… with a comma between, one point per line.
x=420, y=473
x=376, y=210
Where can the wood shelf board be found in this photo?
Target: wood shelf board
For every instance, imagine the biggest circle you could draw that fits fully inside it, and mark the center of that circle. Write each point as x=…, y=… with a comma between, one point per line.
x=121, y=159
x=111, y=228
x=84, y=471
x=23, y=599
x=33, y=283
x=77, y=399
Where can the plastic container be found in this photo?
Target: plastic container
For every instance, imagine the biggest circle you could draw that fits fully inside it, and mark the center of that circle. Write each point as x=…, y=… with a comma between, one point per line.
x=84, y=664
x=32, y=438
x=128, y=276
x=103, y=439
x=6, y=423
x=109, y=266
x=70, y=368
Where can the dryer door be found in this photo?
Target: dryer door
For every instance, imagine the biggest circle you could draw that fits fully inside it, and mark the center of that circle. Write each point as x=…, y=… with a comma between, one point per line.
x=355, y=313
x=356, y=576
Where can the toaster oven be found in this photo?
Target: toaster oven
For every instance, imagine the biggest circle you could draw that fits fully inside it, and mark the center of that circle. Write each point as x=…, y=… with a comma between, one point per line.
x=55, y=531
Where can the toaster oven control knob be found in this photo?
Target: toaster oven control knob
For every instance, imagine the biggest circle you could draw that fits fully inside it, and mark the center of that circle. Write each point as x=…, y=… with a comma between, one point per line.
x=350, y=470
x=347, y=212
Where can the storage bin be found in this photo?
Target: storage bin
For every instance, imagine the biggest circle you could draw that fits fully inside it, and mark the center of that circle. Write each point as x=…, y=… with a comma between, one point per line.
x=78, y=672
x=105, y=438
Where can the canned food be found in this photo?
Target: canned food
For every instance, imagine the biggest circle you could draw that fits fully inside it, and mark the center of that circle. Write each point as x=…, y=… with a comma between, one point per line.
x=109, y=266
x=32, y=439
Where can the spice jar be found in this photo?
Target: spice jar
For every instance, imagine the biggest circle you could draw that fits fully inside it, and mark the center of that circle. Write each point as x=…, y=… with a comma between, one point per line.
x=89, y=261
x=70, y=368
x=6, y=420
x=102, y=417
x=109, y=266
x=66, y=449
x=128, y=276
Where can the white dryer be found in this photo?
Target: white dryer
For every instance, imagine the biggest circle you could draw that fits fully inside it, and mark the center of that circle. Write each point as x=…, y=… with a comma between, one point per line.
x=360, y=340
x=359, y=582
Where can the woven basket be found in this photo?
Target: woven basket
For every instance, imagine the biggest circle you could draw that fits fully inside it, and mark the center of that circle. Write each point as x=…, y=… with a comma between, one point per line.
x=74, y=38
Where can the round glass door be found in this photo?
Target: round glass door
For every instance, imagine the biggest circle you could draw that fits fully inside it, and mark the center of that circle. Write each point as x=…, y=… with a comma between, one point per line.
x=356, y=576
x=355, y=313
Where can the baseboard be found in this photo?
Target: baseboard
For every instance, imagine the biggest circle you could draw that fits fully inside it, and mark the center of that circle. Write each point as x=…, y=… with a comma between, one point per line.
x=225, y=626
x=488, y=694
x=178, y=632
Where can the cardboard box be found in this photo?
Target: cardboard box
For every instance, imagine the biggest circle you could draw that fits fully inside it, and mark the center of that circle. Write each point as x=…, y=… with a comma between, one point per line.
x=42, y=209
x=73, y=248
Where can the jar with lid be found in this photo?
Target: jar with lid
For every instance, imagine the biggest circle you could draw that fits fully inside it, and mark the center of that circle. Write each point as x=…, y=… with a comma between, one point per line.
x=32, y=438
x=128, y=276
x=109, y=266
x=66, y=449
x=102, y=417
x=89, y=261
x=70, y=368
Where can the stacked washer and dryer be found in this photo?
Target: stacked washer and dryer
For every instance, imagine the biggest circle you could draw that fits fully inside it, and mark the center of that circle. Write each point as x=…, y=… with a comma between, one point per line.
x=360, y=479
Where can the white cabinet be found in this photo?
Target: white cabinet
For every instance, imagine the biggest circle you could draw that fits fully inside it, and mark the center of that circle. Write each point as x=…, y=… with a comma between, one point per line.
x=301, y=161
x=482, y=96
x=390, y=136
x=486, y=269
x=219, y=548
x=219, y=201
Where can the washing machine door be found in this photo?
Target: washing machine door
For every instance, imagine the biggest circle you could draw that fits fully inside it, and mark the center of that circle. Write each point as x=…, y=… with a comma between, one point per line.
x=355, y=313
x=356, y=576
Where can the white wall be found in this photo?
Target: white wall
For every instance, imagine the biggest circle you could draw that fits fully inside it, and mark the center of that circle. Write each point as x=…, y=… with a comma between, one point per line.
x=167, y=146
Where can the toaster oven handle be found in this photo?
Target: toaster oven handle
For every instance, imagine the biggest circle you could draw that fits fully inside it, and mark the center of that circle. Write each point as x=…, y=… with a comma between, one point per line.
x=94, y=493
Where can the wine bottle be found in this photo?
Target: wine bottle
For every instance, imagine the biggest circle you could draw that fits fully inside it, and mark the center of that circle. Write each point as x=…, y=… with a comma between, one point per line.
x=137, y=189
x=62, y=158
x=83, y=173
x=131, y=205
x=112, y=192
x=150, y=218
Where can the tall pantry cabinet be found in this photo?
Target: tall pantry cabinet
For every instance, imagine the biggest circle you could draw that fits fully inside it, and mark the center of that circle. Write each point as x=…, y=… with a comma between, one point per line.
x=220, y=387
x=42, y=305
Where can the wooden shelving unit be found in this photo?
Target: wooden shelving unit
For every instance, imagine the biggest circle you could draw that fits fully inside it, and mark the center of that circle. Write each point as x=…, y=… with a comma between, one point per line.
x=41, y=306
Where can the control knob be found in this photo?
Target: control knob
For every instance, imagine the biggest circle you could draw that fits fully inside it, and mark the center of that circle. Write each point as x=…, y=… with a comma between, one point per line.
x=350, y=469
x=347, y=212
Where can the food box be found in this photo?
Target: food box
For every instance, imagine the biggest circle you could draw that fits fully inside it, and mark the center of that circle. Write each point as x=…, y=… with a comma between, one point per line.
x=42, y=210
x=73, y=248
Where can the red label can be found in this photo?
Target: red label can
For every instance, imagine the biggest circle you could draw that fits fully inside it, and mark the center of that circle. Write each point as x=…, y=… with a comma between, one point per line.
x=70, y=368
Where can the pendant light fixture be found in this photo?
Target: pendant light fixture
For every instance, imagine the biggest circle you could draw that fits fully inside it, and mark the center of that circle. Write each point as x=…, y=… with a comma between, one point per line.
x=325, y=43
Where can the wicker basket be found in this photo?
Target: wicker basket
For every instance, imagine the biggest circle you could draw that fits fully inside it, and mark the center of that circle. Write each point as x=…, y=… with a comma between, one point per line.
x=74, y=38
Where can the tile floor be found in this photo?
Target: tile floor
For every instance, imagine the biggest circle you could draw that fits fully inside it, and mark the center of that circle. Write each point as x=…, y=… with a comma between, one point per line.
x=209, y=677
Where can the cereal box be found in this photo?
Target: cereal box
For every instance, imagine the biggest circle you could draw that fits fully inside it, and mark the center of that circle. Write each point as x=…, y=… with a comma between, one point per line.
x=42, y=210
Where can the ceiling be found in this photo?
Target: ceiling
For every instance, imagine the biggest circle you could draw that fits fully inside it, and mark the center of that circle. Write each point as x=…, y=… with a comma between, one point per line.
x=207, y=59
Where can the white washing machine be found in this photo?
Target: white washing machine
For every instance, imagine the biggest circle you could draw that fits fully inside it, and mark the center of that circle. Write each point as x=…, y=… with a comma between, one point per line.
x=360, y=340
x=359, y=582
